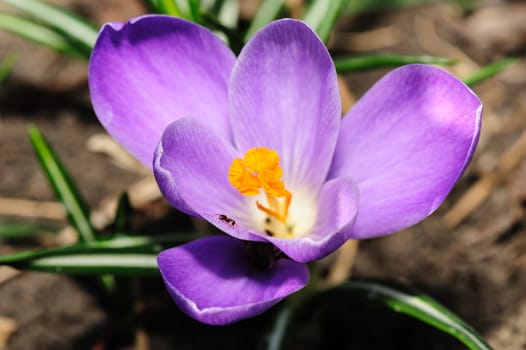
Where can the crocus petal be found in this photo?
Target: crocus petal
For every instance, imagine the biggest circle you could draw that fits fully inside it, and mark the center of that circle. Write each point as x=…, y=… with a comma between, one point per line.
x=284, y=96
x=212, y=280
x=338, y=205
x=406, y=143
x=152, y=70
x=191, y=165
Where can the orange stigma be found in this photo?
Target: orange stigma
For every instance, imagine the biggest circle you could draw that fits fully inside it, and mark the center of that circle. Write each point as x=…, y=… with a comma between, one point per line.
x=260, y=170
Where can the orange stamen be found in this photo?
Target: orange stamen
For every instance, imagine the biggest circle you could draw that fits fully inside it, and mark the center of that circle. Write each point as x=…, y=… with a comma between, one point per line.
x=260, y=169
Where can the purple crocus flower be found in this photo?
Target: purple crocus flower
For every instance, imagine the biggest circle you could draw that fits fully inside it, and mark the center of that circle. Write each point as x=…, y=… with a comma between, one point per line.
x=256, y=145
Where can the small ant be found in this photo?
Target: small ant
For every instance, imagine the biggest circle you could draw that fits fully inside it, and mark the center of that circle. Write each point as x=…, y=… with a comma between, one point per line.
x=228, y=220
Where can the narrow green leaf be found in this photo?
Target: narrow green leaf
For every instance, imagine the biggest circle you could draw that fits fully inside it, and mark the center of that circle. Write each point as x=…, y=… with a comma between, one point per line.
x=114, y=256
x=268, y=11
x=488, y=71
x=114, y=245
x=7, y=65
x=228, y=13
x=467, y=6
x=75, y=27
x=352, y=64
x=274, y=339
x=135, y=242
x=195, y=11
x=23, y=230
x=154, y=5
x=65, y=190
x=419, y=306
x=39, y=34
x=17, y=230
x=97, y=264
x=188, y=9
x=122, y=222
x=170, y=7
x=167, y=7
x=356, y=7
x=235, y=41
x=321, y=16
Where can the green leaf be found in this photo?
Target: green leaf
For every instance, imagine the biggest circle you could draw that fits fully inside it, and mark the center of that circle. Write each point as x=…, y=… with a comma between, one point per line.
x=228, y=12
x=97, y=264
x=321, y=16
x=23, y=230
x=117, y=256
x=7, y=65
x=267, y=12
x=235, y=41
x=76, y=28
x=417, y=305
x=195, y=11
x=114, y=245
x=274, y=338
x=352, y=64
x=39, y=34
x=122, y=222
x=65, y=190
x=188, y=9
x=167, y=7
x=488, y=71
x=17, y=230
x=140, y=242
x=355, y=7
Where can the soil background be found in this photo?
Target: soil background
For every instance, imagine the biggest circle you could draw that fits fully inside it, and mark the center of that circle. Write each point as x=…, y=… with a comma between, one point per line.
x=470, y=255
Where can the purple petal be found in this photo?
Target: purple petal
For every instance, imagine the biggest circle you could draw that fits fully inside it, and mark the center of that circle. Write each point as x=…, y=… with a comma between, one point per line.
x=284, y=96
x=191, y=167
x=337, y=205
x=213, y=280
x=406, y=143
x=152, y=70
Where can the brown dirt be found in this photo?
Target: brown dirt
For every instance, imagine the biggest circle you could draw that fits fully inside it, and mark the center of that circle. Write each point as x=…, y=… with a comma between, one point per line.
x=477, y=268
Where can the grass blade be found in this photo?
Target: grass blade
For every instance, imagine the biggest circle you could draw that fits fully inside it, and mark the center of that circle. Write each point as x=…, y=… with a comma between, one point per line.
x=9, y=231
x=352, y=64
x=97, y=264
x=195, y=11
x=76, y=209
x=321, y=16
x=7, y=65
x=17, y=230
x=167, y=7
x=228, y=13
x=419, y=306
x=65, y=190
x=115, y=245
x=122, y=221
x=357, y=7
x=188, y=9
x=40, y=35
x=235, y=41
x=71, y=25
x=488, y=71
x=268, y=11
x=274, y=338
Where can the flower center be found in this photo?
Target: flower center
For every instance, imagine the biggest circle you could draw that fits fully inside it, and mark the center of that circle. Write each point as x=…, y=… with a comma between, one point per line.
x=259, y=171
x=261, y=255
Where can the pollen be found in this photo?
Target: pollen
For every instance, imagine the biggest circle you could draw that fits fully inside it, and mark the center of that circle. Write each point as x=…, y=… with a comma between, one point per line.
x=259, y=171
